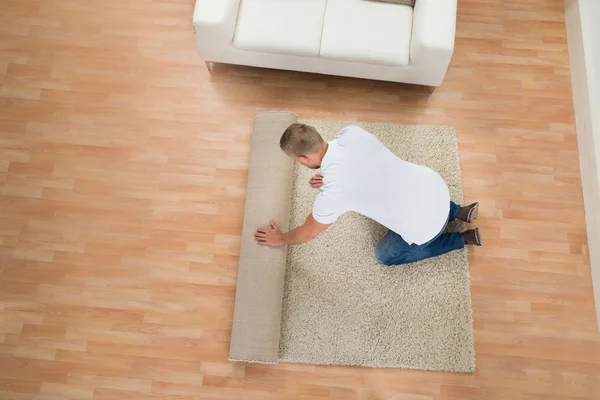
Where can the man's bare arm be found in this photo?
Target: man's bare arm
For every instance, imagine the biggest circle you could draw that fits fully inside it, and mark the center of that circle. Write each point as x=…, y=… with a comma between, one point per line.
x=303, y=233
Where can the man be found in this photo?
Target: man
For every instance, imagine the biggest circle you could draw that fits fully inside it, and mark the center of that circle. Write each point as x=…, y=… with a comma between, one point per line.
x=358, y=173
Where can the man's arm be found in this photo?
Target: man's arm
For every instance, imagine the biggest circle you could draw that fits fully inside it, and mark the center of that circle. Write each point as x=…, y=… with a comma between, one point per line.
x=303, y=233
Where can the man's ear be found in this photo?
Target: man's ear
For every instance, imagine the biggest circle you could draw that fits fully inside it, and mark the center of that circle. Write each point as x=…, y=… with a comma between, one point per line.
x=303, y=159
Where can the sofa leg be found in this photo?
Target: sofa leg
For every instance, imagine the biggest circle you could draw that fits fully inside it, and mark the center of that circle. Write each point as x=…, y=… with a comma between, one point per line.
x=431, y=89
x=209, y=66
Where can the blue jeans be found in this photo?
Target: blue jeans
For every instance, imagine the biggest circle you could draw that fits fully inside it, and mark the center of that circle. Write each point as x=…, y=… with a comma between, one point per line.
x=393, y=250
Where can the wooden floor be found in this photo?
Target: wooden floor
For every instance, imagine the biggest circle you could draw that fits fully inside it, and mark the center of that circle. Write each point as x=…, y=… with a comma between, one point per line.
x=123, y=168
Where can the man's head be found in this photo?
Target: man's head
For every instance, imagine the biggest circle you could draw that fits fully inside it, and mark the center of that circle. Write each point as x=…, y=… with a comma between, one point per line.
x=304, y=144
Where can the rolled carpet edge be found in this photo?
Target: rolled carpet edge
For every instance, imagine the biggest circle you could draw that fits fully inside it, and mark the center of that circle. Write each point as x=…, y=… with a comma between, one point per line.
x=256, y=325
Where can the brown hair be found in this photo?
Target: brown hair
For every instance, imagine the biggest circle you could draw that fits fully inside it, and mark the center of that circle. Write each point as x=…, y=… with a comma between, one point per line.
x=300, y=139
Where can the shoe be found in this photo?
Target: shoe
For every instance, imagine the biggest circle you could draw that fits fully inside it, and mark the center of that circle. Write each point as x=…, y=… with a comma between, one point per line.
x=472, y=236
x=468, y=213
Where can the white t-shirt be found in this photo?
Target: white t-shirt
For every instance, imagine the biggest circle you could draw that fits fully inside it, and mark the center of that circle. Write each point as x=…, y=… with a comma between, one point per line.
x=360, y=174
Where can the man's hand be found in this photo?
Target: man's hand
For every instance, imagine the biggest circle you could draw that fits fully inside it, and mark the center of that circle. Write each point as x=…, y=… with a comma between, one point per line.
x=269, y=237
x=316, y=181
x=303, y=233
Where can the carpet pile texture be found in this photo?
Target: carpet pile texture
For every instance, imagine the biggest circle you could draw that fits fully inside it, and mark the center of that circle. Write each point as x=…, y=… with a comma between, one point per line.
x=341, y=307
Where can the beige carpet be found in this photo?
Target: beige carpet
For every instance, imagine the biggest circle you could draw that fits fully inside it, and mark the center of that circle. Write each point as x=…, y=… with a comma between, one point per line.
x=341, y=307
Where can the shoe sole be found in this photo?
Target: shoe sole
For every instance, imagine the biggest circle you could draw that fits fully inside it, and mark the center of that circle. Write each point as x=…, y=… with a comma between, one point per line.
x=478, y=238
x=473, y=213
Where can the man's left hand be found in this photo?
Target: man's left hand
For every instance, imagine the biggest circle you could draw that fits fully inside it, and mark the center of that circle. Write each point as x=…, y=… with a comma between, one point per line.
x=316, y=181
x=269, y=237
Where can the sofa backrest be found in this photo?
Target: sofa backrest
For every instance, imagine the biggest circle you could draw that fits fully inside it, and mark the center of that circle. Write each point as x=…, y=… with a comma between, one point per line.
x=410, y=3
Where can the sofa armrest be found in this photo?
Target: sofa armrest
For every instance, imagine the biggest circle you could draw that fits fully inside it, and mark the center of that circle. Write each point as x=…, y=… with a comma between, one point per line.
x=433, y=34
x=214, y=24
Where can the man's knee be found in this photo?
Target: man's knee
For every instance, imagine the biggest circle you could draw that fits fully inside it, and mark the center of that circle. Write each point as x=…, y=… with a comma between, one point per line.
x=386, y=259
x=392, y=250
x=383, y=258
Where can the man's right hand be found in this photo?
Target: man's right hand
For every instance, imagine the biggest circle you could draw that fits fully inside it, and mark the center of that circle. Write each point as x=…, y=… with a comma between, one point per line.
x=316, y=181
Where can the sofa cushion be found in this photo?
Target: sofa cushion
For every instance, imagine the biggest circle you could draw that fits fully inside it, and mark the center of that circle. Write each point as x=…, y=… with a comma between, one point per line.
x=367, y=31
x=280, y=26
x=404, y=2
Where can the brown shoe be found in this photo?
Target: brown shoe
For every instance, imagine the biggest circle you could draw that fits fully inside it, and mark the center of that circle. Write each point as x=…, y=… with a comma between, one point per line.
x=468, y=213
x=472, y=236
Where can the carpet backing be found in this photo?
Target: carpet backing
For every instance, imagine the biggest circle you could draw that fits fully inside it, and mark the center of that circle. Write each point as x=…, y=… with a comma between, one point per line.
x=338, y=305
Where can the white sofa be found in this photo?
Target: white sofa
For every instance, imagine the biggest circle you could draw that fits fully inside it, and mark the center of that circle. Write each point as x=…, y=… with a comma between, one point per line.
x=356, y=38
